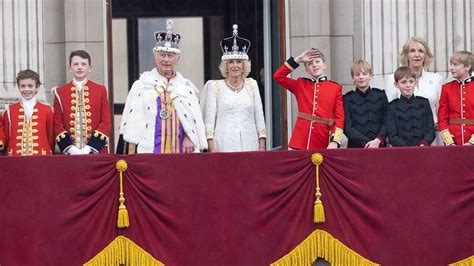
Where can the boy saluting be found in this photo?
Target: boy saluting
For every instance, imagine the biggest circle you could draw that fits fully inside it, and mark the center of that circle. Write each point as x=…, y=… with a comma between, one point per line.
x=320, y=119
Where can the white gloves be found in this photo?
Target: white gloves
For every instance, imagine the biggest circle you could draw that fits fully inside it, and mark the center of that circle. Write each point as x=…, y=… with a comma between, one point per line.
x=73, y=150
x=86, y=149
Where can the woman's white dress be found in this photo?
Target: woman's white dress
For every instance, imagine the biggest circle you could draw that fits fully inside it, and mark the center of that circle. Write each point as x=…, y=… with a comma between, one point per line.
x=234, y=120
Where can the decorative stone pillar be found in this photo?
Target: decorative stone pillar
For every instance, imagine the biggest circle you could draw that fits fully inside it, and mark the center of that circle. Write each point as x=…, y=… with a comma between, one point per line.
x=39, y=34
x=21, y=45
x=386, y=25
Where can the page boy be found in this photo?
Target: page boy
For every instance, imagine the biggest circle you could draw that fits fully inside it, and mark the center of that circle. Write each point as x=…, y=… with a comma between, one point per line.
x=456, y=104
x=365, y=110
x=28, y=124
x=409, y=118
x=81, y=110
x=320, y=119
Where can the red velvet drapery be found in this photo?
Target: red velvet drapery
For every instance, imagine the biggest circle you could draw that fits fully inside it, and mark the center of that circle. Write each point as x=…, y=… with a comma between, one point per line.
x=404, y=206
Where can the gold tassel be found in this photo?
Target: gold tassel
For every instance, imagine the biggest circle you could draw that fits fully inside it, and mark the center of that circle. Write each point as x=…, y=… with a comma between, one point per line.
x=317, y=159
x=122, y=218
x=319, y=210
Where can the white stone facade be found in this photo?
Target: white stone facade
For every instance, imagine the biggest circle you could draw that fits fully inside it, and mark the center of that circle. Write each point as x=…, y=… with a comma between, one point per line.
x=39, y=34
x=375, y=30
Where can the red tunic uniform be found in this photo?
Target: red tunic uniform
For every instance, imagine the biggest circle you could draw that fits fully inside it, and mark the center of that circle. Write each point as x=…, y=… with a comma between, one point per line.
x=320, y=106
x=456, y=112
x=82, y=117
x=32, y=136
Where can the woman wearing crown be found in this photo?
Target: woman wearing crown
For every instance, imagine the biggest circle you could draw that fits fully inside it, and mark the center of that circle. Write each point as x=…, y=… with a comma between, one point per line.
x=232, y=107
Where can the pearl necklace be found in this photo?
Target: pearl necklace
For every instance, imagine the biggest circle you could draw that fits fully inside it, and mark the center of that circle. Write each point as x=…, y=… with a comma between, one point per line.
x=234, y=88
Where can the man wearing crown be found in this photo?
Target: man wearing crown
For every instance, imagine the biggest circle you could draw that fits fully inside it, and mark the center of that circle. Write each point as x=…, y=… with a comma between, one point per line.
x=162, y=112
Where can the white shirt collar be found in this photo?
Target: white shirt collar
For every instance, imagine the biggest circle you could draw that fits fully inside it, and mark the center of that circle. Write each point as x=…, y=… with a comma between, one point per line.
x=79, y=84
x=28, y=105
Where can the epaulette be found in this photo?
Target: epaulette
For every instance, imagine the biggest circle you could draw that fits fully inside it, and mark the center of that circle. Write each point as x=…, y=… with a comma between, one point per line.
x=377, y=89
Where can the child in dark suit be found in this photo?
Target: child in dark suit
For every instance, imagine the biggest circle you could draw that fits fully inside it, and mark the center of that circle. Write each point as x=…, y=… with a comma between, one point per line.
x=409, y=118
x=365, y=110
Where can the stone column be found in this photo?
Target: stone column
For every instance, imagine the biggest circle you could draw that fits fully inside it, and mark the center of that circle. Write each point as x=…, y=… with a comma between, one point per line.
x=54, y=46
x=376, y=30
x=84, y=30
x=39, y=34
x=21, y=45
x=445, y=24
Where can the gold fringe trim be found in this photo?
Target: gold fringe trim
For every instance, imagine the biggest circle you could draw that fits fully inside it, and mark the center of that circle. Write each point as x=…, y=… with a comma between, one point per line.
x=465, y=262
x=123, y=251
x=320, y=244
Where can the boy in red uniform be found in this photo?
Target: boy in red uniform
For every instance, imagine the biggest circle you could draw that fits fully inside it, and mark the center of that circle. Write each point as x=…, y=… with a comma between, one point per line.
x=320, y=119
x=28, y=124
x=81, y=110
x=456, y=104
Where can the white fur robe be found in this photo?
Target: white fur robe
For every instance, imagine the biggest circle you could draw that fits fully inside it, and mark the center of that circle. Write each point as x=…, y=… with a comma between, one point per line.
x=139, y=115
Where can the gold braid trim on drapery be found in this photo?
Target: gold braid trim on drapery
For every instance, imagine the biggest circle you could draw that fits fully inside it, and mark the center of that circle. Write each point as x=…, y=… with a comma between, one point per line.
x=465, y=262
x=320, y=244
x=123, y=251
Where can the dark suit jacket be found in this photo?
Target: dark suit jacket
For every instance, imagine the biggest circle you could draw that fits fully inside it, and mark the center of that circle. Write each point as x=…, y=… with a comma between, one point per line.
x=364, y=116
x=410, y=122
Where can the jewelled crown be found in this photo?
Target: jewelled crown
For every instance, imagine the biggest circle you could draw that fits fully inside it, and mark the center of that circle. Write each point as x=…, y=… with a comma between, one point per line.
x=167, y=41
x=235, y=47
